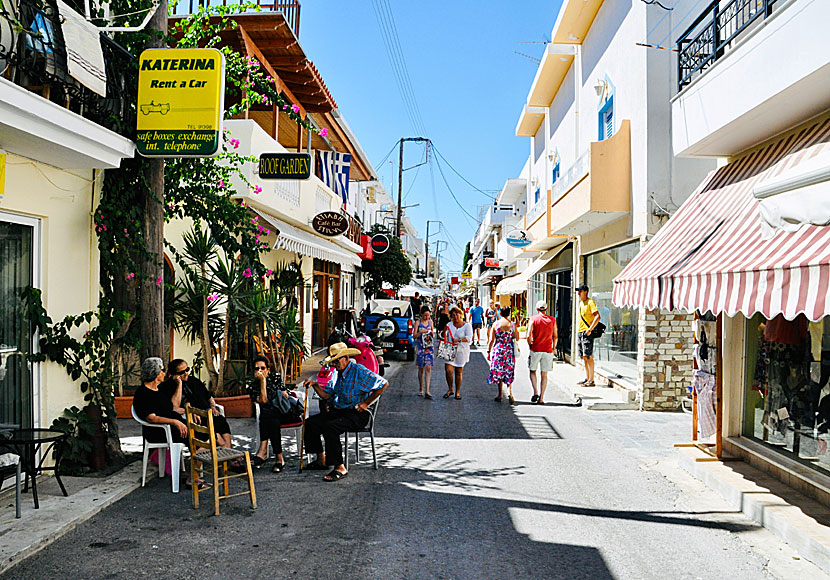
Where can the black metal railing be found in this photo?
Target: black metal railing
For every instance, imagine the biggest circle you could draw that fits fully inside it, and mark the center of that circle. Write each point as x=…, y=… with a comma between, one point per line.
x=33, y=55
x=289, y=8
x=710, y=35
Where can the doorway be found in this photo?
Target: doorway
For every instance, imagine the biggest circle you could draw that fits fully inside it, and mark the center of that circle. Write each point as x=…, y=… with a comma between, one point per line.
x=325, y=298
x=19, y=269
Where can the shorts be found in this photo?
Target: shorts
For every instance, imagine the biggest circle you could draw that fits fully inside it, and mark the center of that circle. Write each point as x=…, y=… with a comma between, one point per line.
x=476, y=326
x=585, y=345
x=542, y=361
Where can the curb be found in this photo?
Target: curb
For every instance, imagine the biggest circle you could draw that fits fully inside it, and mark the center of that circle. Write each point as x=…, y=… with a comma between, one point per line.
x=37, y=543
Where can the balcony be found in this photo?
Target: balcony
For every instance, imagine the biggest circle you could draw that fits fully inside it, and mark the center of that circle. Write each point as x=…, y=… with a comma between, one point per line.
x=288, y=8
x=596, y=189
x=45, y=113
x=748, y=70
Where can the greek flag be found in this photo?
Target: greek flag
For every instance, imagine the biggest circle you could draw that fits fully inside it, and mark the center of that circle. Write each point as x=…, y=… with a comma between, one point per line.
x=333, y=169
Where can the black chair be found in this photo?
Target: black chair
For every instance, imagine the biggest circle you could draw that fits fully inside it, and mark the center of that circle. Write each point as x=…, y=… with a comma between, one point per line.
x=370, y=429
x=12, y=470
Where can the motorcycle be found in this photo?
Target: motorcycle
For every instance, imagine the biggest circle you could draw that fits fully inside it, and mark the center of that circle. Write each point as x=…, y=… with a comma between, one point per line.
x=371, y=354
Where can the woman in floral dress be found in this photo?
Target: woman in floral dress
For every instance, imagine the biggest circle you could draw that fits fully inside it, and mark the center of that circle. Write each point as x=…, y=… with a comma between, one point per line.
x=424, y=349
x=500, y=351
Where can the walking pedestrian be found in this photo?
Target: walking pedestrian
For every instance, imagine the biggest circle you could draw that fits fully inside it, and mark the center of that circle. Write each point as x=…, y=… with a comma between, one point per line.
x=460, y=333
x=443, y=318
x=424, y=351
x=541, y=338
x=588, y=319
x=477, y=320
x=490, y=317
x=501, y=350
x=415, y=301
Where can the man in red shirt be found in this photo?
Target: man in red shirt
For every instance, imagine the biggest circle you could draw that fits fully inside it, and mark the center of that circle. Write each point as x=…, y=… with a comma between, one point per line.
x=541, y=338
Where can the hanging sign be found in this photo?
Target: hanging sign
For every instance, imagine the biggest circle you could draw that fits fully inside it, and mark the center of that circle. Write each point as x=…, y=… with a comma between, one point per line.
x=380, y=243
x=330, y=223
x=181, y=93
x=454, y=280
x=491, y=263
x=285, y=166
x=466, y=275
x=518, y=239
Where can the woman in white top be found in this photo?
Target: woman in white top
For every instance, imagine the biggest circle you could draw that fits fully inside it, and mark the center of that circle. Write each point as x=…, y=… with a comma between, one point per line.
x=460, y=333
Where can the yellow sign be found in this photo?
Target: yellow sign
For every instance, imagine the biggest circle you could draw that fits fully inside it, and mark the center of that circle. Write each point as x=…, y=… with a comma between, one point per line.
x=181, y=94
x=466, y=275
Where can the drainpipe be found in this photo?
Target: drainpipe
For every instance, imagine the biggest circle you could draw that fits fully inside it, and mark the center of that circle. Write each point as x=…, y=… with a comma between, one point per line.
x=577, y=91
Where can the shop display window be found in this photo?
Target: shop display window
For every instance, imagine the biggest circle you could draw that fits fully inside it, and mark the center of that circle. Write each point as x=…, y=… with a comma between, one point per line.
x=616, y=351
x=787, y=391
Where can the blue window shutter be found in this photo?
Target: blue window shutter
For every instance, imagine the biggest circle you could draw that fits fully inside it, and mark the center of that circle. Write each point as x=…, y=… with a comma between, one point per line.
x=555, y=173
x=609, y=122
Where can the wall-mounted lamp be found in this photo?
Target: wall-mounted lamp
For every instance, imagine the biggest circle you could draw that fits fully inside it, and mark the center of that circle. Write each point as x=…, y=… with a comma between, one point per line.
x=600, y=86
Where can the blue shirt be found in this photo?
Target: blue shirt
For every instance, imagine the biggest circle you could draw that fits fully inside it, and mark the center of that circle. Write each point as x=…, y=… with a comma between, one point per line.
x=352, y=386
x=476, y=314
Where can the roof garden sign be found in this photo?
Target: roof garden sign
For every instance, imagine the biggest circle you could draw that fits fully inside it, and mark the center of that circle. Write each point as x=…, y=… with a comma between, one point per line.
x=180, y=102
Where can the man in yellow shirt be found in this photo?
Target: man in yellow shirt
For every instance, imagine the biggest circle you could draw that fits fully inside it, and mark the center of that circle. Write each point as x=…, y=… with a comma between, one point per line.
x=588, y=320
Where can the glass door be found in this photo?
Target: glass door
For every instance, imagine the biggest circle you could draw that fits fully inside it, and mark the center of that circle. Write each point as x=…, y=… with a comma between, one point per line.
x=19, y=256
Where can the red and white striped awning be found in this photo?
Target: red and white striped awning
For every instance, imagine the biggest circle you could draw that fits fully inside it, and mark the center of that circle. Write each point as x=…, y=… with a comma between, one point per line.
x=710, y=256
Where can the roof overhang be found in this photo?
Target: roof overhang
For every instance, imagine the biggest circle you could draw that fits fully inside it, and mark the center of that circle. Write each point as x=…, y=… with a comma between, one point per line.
x=574, y=21
x=556, y=61
x=530, y=121
x=515, y=188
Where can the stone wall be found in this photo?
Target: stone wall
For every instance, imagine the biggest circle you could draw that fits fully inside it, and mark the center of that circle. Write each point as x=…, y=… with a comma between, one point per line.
x=664, y=367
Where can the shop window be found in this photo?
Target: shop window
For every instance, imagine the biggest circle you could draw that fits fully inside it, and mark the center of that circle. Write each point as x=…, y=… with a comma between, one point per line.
x=787, y=390
x=616, y=351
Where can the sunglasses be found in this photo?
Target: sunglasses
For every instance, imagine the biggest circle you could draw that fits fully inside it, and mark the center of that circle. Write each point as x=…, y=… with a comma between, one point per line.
x=260, y=368
x=182, y=372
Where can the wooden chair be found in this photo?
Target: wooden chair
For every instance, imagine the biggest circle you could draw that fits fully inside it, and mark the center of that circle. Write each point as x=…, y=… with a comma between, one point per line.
x=210, y=457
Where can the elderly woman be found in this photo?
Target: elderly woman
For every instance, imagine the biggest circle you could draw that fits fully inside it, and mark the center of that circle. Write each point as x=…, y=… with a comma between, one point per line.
x=155, y=406
x=460, y=333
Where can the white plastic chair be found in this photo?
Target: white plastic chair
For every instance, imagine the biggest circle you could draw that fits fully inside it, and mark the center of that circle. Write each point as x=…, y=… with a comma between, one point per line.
x=176, y=453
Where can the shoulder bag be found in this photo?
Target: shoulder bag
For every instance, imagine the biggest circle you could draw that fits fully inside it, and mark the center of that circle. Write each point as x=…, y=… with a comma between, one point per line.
x=598, y=331
x=446, y=349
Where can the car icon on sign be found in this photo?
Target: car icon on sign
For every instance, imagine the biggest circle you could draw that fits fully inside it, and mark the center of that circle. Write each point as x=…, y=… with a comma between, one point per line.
x=162, y=108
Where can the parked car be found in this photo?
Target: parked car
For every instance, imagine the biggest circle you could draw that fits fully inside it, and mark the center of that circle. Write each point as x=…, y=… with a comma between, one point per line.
x=391, y=321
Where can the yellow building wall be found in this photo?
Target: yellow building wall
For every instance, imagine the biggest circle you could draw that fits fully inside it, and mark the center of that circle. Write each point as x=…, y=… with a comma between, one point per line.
x=63, y=201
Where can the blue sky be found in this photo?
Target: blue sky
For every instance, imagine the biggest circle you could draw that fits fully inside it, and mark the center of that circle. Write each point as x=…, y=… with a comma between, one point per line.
x=469, y=85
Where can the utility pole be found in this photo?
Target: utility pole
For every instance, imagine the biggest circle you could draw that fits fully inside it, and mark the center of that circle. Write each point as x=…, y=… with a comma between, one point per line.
x=151, y=301
x=400, y=177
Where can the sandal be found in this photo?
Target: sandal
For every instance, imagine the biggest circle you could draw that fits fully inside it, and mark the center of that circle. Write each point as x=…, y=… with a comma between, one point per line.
x=278, y=467
x=420, y=394
x=458, y=397
x=497, y=399
x=511, y=399
x=335, y=475
x=448, y=394
x=202, y=485
x=582, y=382
x=428, y=396
x=534, y=398
x=590, y=384
x=257, y=461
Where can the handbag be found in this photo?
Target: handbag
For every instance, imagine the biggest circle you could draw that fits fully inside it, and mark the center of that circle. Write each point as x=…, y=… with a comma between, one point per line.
x=446, y=349
x=598, y=331
x=515, y=344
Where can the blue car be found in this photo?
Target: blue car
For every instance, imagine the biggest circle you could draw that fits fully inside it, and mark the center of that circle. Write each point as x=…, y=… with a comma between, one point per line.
x=390, y=321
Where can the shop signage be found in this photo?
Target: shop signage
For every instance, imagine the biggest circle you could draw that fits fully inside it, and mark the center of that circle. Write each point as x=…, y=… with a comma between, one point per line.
x=466, y=275
x=491, y=262
x=181, y=93
x=285, y=166
x=330, y=223
x=454, y=280
x=518, y=239
x=380, y=243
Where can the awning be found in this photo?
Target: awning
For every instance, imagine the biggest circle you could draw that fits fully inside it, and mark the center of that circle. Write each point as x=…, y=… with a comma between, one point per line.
x=711, y=255
x=296, y=240
x=518, y=283
x=411, y=289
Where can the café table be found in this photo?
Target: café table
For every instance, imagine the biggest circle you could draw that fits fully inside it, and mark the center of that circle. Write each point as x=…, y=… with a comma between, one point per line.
x=27, y=443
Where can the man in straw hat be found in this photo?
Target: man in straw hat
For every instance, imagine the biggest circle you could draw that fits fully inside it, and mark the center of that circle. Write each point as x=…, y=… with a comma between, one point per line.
x=354, y=389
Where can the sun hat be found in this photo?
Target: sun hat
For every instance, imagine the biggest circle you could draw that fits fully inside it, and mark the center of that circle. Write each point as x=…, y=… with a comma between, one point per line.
x=339, y=350
x=541, y=305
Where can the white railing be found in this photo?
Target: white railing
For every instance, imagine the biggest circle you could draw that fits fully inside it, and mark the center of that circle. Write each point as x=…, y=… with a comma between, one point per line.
x=536, y=210
x=288, y=191
x=575, y=172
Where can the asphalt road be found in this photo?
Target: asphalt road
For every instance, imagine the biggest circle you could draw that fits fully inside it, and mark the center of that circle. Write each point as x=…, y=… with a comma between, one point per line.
x=466, y=489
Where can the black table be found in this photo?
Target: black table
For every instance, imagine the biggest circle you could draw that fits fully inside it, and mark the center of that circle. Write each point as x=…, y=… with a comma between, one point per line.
x=26, y=443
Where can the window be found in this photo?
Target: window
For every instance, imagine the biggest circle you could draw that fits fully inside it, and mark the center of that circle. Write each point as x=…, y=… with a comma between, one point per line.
x=555, y=174
x=536, y=195
x=606, y=119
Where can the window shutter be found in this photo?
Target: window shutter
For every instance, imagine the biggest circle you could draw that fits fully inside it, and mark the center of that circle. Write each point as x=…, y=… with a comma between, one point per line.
x=609, y=123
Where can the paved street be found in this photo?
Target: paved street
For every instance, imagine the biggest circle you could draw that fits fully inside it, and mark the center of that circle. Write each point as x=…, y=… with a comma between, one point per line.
x=466, y=489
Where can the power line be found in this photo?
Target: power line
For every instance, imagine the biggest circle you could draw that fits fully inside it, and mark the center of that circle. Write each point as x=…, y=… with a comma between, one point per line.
x=382, y=161
x=458, y=203
x=467, y=181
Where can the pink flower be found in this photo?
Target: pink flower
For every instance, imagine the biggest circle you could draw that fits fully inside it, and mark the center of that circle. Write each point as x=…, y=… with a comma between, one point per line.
x=257, y=189
x=158, y=281
x=130, y=275
x=247, y=273
x=235, y=143
x=212, y=297
x=284, y=107
x=269, y=272
x=324, y=132
x=266, y=231
x=295, y=108
x=221, y=183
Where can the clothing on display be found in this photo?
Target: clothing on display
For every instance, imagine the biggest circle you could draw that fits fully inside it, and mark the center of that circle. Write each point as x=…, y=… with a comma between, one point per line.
x=704, y=385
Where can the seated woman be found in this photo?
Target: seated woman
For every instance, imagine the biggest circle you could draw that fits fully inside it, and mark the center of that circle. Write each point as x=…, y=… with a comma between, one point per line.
x=276, y=408
x=156, y=406
x=195, y=392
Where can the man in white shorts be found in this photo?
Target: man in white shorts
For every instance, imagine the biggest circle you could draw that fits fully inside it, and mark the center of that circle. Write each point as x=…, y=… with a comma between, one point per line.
x=541, y=338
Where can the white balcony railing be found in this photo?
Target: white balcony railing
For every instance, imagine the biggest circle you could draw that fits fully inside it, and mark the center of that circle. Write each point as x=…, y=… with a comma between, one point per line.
x=575, y=172
x=536, y=210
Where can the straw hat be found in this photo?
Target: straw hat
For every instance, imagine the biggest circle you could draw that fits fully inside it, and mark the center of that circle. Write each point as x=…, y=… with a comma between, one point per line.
x=339, y=350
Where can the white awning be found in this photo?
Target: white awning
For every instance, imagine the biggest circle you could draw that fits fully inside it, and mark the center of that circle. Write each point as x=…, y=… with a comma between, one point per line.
x=293, y=239
x=518, y=283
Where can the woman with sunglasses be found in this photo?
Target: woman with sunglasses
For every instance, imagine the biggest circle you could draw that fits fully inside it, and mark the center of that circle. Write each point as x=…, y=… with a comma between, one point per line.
x=197, y=394
x=276, y=408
